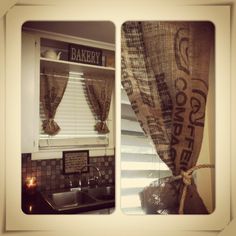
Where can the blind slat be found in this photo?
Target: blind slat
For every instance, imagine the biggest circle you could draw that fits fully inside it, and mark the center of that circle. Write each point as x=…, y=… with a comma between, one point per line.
x=131, y=201
x=137, y=149
x=136, y=182
x=133, y=210
x=139, y=157
x=135, y=140
x=125, y=165
x=130, y=126
x=141, y=173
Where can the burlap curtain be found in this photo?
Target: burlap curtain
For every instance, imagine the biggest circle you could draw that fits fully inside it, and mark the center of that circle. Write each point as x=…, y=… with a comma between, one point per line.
x=99, y=91
x=52, y=87
x=165, y=68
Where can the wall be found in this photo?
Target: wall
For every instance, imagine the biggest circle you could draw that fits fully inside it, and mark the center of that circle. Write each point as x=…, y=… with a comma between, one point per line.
x=49, y=172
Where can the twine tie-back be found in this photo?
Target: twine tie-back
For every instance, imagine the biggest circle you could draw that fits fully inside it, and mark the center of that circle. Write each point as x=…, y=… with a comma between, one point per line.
x=50, y=123
x=186, y=176
x=50, y=127
x=101, y=127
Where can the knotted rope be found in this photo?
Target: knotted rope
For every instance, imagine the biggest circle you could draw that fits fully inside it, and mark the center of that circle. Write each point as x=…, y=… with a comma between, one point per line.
x=101, y=127
x=187, y=180
x=50, y=126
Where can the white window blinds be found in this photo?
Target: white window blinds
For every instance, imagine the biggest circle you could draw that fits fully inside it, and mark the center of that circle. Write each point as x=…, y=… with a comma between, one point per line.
x=75, y=118
x=140, y=164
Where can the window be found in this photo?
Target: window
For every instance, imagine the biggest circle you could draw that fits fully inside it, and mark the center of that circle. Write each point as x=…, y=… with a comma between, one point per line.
x=75, y=118
x=140, y=165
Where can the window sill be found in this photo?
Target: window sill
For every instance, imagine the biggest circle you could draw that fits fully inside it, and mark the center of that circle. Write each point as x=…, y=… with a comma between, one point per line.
x=57, y=153
x=62, y=143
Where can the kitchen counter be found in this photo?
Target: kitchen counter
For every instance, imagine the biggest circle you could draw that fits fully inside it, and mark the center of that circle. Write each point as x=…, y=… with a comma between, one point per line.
x=36, y=204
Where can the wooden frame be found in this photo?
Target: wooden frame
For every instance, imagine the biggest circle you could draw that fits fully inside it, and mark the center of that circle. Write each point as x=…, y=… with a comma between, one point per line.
x=73, y=161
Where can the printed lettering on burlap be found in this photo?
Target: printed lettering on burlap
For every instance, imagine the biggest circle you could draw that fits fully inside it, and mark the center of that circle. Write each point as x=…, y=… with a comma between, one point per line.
x=165, y=67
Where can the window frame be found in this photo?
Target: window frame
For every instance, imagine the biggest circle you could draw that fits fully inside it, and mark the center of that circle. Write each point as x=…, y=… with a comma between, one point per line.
x=58, y=141
x=94, y=145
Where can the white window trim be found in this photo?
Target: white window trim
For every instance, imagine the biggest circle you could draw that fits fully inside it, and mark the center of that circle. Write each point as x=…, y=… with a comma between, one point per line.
x=95, y=147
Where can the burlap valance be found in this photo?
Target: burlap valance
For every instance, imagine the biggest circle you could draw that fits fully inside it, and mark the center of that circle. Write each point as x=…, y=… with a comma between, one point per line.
x=165, y=68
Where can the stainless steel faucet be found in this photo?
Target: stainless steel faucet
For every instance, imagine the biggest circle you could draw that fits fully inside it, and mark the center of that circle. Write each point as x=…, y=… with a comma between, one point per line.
x=95, y=179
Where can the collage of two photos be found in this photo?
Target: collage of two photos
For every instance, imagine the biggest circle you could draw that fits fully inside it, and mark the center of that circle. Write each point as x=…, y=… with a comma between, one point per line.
x=68, y=118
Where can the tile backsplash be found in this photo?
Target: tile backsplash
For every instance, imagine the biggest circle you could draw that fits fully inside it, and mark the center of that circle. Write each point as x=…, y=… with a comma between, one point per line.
x=49, y=172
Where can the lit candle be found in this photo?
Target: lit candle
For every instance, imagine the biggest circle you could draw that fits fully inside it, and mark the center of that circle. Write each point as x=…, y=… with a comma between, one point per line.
x=31, y=185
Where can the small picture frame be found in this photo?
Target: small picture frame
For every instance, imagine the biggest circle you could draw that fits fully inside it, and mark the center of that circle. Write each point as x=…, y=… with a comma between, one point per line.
x=73, y=161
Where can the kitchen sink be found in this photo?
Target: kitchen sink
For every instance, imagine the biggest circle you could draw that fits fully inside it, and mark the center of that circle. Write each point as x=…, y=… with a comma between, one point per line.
x=68, y=199
x=90, y=198
x=102, y=193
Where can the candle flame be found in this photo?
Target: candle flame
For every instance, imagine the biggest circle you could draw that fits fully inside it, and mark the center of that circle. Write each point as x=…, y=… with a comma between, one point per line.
x=31, y=182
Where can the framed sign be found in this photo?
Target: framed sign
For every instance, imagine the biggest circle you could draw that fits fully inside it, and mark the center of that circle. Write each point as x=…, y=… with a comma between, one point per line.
x=73, y=161
x=84, y=54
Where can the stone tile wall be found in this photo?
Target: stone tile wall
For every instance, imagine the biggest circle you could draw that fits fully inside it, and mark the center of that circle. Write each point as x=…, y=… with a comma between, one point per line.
x=49, y=172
